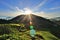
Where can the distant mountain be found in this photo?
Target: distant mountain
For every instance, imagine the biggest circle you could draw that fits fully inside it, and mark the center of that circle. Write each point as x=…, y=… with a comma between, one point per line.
x=3, y=21
x=56, y=20
x=6, y=17
x=39, y=23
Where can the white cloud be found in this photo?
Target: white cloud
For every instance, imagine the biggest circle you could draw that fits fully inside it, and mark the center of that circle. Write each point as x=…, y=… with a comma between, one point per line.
x=8, y=5
x=42, y=14
x=27, y=10
x=18, y=9
x=24, y=11
x=54, y=8
x=47, y=15
x=41, y=4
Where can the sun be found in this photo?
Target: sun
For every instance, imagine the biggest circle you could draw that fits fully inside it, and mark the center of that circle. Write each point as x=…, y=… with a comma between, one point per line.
x=27, y=12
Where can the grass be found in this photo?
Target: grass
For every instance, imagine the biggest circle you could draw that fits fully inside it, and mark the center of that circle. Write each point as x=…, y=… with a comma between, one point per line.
x=47, y=35
x=16, y=35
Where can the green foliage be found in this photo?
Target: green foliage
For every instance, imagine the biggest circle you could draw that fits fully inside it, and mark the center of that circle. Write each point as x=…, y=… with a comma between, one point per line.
x=18, y=32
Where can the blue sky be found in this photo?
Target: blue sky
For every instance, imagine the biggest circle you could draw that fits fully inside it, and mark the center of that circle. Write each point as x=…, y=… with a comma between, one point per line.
x=45, y=8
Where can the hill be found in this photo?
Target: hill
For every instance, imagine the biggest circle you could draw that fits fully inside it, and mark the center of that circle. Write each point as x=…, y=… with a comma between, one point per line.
x=3, y=21
x=45, y=28
x=39, y=23
x=56, y=20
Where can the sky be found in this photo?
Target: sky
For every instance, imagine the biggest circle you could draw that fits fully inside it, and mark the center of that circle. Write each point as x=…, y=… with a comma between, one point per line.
x=44, y=8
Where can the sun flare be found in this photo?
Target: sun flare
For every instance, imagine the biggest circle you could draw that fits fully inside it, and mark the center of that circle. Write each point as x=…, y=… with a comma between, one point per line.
x=27, y=12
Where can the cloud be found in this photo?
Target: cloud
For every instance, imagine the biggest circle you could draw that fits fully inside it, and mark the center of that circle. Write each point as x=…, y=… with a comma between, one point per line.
x=12, y=14
x=54, y=8
x=16, y=13
x=48, y=15
x=41, y=4
x=18, y=9
x=27, y=10
x=42, y=14
x=24, y=10
x=8, y=5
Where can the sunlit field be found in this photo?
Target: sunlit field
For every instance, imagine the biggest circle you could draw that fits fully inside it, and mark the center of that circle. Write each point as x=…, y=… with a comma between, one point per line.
x=19, y=32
